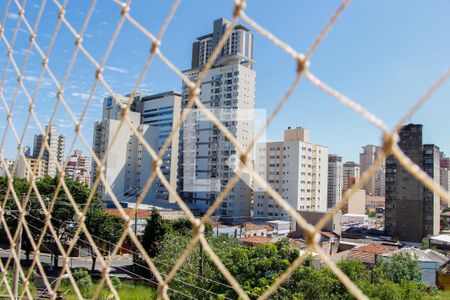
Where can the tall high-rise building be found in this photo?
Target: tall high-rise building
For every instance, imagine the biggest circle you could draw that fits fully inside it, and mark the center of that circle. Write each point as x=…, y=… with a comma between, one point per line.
x=79, y=167
x=375, y=185
x=129, y=165
x=335, y=180
x=238, y=47
x=160, y=112
x=351, y=172
x=296, y=169
x=229, y=86
x=54, y=155
x=126, y=163
x=412, y=211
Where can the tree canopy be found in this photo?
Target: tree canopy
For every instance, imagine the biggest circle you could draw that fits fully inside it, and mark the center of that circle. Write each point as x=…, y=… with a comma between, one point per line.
x=63, y=217
x=257, y=267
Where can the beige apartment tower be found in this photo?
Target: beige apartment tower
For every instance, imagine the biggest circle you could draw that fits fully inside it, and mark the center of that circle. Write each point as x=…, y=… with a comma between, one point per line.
x=351, y=173
x=297, y=170
x=375, y=186
x=54, y=155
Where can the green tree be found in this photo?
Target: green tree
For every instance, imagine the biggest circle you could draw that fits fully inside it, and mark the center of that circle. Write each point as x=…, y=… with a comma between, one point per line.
x=106, y=227
x=34, y=215
x=311, y=284
x=20, y=186
x=63, y=213
x=399, y=268
x=184, y=226
x=355, y=270
x=154, y=233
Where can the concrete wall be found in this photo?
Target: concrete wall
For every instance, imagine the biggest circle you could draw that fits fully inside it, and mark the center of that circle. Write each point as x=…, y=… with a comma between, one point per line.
x=313, y=217
x=356, y=203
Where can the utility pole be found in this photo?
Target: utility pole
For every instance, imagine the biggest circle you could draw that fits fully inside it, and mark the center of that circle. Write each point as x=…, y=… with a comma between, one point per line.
x=135, y=226
x=202, y=261
x=16, y=268
x=136, y=211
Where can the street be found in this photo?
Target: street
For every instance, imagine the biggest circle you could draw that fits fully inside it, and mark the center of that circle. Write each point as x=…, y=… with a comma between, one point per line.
x=115, y=262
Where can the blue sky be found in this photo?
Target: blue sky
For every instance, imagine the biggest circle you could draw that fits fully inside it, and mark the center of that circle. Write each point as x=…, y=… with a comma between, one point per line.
x=383, y=54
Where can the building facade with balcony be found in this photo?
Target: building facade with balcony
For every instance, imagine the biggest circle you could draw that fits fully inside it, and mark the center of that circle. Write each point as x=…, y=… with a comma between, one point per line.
x=335, y=180
x=228, y=89
x=297, y=170
x=412, y=211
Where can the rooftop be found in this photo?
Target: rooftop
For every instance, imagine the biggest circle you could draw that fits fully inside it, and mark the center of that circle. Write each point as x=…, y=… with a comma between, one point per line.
x=141, y=213
x=160, y=95
x=421, y=255
x=251, y=226
x=256, y=240
x=366, y=254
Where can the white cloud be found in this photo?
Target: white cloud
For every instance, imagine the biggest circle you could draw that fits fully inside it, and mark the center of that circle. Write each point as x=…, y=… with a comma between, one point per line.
x=116, y=69
x=83, y=96
x=65, y=123
x=23, y=30
x=13, y=16
x=24, y=52
x=46, y=82
x=30, y=78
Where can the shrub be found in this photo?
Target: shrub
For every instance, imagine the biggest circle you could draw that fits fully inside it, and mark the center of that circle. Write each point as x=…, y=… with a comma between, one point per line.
x=83, y=279
x=117, y=283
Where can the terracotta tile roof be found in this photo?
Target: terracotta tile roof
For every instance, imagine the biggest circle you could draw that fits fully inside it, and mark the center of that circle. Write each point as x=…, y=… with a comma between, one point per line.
x=251, y=227
x=328, y=234
x=368, y=253
x=141, y=213
x=256, y=240
x=376, y=249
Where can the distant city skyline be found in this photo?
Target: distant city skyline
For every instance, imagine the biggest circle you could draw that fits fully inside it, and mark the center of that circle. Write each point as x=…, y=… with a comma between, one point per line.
x=384, y=64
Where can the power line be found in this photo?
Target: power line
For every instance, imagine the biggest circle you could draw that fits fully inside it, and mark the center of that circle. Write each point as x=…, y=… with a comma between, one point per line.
x=175, y=279
x=137, y=253
x=137, y=276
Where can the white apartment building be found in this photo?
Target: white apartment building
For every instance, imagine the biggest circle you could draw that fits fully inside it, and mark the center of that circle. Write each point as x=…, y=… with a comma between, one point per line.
x=79, y=167
x=335, y=180
x=160, y=112
x=54, y=155
x=128, y=165
x=296, y=169
x=228, y=88
x=376, y=185
x=351, y=172
x=6, y=166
